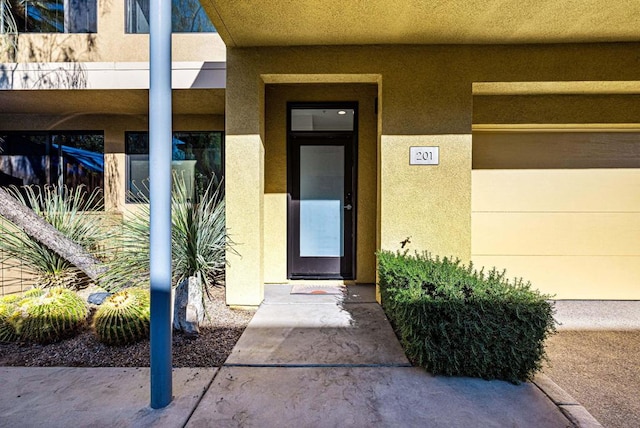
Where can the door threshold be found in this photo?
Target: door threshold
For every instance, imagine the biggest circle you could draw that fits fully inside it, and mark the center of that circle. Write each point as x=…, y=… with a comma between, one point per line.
x=325, y=282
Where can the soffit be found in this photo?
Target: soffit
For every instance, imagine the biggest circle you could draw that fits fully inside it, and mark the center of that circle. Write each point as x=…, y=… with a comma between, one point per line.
x=355, y=22
x=80, y=102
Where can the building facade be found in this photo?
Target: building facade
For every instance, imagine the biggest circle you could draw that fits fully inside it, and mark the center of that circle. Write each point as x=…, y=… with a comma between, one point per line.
x=490, y=131
x=500, y=135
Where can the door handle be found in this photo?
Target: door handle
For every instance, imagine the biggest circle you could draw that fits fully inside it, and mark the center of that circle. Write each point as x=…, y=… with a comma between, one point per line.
x=348, y=207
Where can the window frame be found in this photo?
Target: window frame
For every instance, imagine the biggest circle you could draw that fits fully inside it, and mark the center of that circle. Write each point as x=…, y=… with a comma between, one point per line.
x=130, y=197
x=128, y=20
x=54, y=168
x=66, y=21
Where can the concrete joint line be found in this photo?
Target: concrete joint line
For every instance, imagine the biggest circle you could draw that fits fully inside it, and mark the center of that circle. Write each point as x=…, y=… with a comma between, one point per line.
x=284, y=365
x=579, y=416
x=204, y=392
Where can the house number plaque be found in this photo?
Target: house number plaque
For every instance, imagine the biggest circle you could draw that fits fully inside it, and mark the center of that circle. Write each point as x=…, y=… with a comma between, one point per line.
x=424, y=156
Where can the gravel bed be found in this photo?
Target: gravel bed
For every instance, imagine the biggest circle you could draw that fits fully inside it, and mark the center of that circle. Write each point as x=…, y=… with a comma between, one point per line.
x=218, y=335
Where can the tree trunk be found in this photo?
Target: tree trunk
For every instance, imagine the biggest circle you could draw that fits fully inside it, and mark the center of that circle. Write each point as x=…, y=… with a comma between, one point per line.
x=37, y=228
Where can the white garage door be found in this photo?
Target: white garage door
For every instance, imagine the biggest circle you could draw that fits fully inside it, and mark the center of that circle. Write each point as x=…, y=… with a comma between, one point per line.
x=561, y=209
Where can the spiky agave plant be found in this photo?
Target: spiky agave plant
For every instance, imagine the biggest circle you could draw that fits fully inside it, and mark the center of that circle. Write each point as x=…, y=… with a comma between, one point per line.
x=199, y=240
x=128, y=265
x=123, y=317
x=65, y=209
x=49, y=315
x=199, y=236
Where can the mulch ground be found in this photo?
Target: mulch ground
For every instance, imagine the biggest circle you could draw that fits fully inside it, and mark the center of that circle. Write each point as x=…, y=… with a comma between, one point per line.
x=218, y=335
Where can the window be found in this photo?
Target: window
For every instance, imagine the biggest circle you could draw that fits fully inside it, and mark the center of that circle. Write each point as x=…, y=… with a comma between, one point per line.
x=48, y=16
x=187, y=16
x=322, y=119
x=198, y=156
x=52, y=158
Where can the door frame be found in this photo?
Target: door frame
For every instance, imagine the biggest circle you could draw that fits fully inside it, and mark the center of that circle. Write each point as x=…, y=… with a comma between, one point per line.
x=349, y=262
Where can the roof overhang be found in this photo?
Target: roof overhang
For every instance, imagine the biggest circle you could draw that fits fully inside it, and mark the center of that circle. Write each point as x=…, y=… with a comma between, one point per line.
x=85, y=88
x=108, y=75
x=333, y=22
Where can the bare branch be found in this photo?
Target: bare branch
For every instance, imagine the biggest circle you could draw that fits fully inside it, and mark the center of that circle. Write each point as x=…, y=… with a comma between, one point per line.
x=37, y=228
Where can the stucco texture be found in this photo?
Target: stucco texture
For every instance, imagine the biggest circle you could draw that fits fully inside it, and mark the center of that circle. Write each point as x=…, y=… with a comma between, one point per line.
x=334, y=22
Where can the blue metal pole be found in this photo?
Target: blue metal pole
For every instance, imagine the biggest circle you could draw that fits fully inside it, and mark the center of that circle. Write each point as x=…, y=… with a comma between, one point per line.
x=160, y=200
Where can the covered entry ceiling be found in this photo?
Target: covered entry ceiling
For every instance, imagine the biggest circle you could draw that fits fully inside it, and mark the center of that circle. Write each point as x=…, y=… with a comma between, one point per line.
x=337, y=22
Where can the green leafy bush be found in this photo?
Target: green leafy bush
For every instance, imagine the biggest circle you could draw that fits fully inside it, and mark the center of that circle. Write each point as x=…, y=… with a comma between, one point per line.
x=456, y=321
x=123, y=317
x=46, y=316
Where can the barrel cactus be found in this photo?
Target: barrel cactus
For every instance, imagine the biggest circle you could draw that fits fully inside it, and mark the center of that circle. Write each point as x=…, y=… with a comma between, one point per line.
x=7, y=329
x=33, y=292
x=123, y=317
x=46, y=316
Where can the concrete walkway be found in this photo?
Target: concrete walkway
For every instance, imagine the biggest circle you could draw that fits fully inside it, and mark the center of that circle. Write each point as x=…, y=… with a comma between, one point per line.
x=303, y=361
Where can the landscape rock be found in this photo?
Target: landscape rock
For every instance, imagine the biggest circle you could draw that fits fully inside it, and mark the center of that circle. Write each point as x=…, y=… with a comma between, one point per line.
x=188, y=309
x=97, y=298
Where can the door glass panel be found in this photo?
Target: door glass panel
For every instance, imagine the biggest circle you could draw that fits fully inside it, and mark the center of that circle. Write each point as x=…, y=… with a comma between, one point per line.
x=321, y=201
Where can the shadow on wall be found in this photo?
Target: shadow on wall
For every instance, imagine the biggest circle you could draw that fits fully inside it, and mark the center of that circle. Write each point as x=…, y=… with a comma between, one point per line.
x=104, y=6
x=27, y=61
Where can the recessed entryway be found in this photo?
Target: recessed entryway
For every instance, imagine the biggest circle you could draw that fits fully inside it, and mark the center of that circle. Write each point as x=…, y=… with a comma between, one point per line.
x=322, y=175
x=318, y=115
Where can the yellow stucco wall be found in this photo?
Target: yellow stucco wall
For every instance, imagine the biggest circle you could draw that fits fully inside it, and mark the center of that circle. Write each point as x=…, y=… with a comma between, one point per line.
x=245, y=219
x=426, y=203
x=425, y=98
x=244, y=177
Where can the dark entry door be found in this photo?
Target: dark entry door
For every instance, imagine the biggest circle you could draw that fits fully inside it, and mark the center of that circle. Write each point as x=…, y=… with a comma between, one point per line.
x=322, y=210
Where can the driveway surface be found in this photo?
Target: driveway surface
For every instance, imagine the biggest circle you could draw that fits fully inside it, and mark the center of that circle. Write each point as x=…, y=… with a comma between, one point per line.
x=595, y=357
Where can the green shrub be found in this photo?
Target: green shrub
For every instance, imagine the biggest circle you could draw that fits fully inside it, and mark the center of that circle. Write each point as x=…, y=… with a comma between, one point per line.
x=456, y=321
x=46, y=316
x=123, y=317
